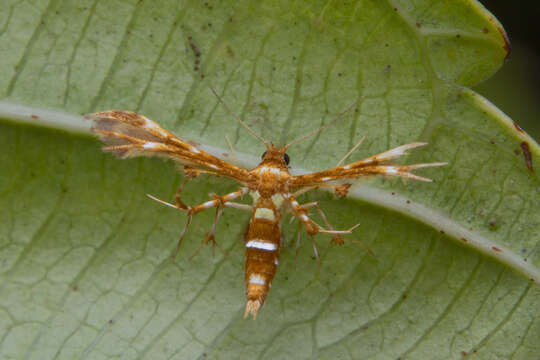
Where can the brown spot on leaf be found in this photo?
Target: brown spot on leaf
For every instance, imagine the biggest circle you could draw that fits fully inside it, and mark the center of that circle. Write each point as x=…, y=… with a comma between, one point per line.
x=507, y=47
x=496, y=249
x=518, y=128
x=464, y=240
x=527, y=155
x=34, y=116
x=194, y=47
x=493, y=224
x=196, y=52
x=230, y=51
x=485, y=30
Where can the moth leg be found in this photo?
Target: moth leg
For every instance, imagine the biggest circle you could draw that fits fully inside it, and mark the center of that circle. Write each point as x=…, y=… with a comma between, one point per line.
x=210, y=235
x=301, y=214
x=188, y=222
x=190, y=174
x=316, y=253
x=219, y=210
x=179, y=203
x=297, y=245
x=239, y=206
x=218, y=201
x=336, y=238
x=312, y=228
x=164, y=202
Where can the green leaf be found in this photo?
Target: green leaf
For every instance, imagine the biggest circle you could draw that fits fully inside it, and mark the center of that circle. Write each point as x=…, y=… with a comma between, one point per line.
x=85, y=265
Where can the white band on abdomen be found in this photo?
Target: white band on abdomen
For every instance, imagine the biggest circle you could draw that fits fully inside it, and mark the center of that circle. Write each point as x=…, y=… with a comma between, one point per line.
x=261, y=245
x=257, y=279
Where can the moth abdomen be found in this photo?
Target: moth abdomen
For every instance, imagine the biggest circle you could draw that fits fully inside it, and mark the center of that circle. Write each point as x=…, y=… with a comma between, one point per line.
x=262, y=255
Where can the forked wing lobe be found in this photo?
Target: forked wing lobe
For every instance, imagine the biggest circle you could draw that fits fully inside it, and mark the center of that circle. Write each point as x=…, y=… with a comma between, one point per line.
x=373, y=165
x=127, y=134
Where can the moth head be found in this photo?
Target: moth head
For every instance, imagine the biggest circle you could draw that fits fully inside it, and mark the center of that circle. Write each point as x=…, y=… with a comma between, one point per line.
x=276, y=156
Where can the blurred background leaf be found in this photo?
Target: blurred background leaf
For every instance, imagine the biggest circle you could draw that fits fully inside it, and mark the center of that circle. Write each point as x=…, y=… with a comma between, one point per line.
x=515, y=88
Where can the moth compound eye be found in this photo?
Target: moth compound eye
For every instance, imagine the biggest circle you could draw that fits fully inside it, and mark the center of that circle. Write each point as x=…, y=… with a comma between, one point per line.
x=263, y=155
x=286, y=158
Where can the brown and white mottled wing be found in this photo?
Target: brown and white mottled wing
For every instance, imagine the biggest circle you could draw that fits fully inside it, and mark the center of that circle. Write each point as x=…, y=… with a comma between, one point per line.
x=127, y=134
x=373, y=165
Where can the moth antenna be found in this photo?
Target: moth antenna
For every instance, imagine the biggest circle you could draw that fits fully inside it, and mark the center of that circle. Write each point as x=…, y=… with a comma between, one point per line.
x=233, y=153
x=339, y=116
x=238, y=119
x=350, y=151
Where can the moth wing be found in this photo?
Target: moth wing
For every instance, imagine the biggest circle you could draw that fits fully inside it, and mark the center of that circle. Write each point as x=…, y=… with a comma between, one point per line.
x=373, y=165
x=127, y=134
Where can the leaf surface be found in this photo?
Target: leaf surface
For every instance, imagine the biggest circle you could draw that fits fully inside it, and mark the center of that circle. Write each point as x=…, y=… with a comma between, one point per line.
x=85, y=267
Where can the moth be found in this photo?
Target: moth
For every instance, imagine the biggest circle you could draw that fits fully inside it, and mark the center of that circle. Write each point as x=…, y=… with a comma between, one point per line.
x=271, y=186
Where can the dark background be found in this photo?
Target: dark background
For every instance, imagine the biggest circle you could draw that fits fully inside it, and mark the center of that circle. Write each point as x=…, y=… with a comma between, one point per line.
x=515, y=88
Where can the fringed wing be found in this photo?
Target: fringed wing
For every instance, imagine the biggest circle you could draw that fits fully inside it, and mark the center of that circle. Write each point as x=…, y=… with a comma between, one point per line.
x=128, y=134
x=373, y=165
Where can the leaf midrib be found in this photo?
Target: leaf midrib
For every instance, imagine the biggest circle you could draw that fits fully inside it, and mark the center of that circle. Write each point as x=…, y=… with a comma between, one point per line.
x=436, y=219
